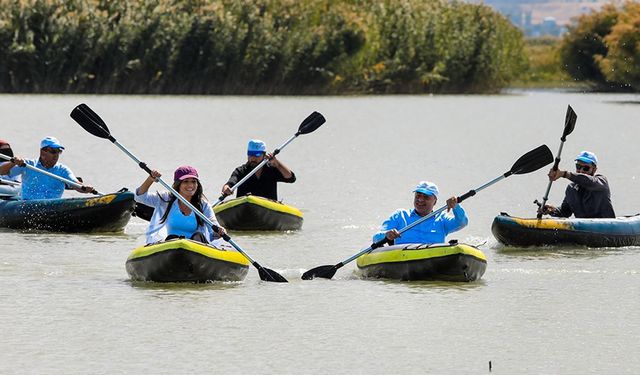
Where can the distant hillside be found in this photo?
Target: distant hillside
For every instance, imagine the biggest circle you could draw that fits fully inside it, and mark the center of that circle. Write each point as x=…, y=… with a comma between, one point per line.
x=531, y=15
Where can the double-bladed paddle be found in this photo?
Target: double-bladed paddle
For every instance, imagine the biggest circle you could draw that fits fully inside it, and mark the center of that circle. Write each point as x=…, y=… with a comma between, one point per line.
x=569, y=124
x=66, y=181
x=308, y=125
x=9, y=182
x=529, y=162
x=92, y=123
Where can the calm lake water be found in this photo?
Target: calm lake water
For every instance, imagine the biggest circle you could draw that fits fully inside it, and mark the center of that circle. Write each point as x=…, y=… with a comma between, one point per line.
x=67, y=306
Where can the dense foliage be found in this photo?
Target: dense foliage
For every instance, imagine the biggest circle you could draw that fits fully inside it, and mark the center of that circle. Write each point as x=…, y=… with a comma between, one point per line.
x=603, y=48
x=544, y=68
x=256, y=46
x=622, y=62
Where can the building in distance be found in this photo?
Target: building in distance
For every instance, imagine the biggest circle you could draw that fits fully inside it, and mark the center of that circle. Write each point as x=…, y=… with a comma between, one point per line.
x=544, y=17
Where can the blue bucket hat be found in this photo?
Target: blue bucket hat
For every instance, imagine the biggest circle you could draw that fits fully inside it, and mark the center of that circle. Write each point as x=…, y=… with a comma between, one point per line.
x=51, y=142
x=256, y=147
x=427, y=188
x=587, y=157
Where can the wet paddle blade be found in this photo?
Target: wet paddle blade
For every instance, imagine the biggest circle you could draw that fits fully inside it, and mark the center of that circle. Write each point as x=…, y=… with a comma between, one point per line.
x=569, y=122
x=532, y=160
x=90, y=121
x=142, y=211
x=267, y=274
x=326, y=272
x=311, y=123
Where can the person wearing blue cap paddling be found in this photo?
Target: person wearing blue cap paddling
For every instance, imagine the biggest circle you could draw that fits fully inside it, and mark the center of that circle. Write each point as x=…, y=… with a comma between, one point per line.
x=172, y=218
x=433, y=230
x=264, y=182
x=40, y=186
x=588, y=194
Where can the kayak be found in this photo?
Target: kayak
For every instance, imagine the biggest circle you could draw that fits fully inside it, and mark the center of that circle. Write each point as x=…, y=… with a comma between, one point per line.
x=515, y=231
x=256, y=213
x=183, y=260
x=8, y=191
x=407, y=262
x=104, y=213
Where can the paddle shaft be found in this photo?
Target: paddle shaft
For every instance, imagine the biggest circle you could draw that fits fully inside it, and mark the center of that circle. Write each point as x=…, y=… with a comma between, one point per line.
x=256, y=169
x=92, y=123
x=569, y=124
x=381, y=243
x=185, y=201
x=8, y=182
x=527, y=163
x=556, y=163
x=68, y=182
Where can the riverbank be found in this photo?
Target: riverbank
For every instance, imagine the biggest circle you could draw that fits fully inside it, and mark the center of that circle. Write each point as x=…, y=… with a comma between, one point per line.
x=544, y=68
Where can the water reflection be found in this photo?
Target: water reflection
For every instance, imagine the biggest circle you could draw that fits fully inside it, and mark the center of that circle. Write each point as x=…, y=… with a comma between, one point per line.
x=41, y=236
x=565, y=251
x=435, y=286
x=181, y=289
x=423, y=285
x=622, y=101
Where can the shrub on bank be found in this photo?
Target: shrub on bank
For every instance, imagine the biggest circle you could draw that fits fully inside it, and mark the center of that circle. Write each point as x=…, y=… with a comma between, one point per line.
x=603, y=48
x=584, y=41
x=544, y=66
x=622, y=62
x=255, y=47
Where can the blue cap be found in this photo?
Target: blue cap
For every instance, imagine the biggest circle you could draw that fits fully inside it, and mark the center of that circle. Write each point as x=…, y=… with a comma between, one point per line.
x=256, y=147
x=51, y=142
x=587, y=157
x=427, y=188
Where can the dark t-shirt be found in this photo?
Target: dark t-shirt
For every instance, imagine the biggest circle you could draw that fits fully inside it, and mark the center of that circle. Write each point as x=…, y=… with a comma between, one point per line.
x=265, y=186
x=587, y=197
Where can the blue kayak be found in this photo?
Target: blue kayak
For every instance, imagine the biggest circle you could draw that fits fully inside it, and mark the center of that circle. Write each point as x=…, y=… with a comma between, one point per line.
x=104, y=213
x=8, y=191
x=515, y=231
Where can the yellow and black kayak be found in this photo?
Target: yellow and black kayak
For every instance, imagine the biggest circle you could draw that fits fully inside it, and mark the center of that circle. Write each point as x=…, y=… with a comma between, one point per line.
x=408, y=262
x=615, y=232
x=256, y=213
x=182, y=260
x=105, y=213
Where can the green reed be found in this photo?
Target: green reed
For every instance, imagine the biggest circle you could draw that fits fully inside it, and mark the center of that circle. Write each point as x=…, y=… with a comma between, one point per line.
x=254, y=47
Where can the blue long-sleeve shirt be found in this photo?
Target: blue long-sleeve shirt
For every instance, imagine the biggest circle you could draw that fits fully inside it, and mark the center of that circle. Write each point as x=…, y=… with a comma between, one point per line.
x=36, y=185
x=433, y=230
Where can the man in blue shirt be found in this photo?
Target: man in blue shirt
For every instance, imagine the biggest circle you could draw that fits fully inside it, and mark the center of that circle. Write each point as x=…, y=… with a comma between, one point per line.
x=433, y=230
x=37, y=185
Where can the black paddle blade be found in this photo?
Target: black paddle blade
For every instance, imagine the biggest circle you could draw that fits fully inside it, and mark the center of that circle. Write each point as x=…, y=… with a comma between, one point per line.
x=325, y=272
x=311, y=123
x=569, y=122
x=90, y=121
x=270, y=275
x=142, y=211
x=532, y=160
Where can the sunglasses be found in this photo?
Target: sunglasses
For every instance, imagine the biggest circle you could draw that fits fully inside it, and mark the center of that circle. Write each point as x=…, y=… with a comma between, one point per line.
x=583, y=168
x=53, y=151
